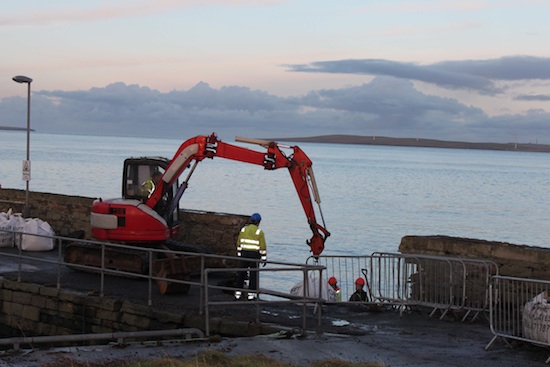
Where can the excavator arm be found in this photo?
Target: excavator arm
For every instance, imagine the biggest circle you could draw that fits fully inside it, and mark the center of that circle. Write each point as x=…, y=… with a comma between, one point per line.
x=298, y=163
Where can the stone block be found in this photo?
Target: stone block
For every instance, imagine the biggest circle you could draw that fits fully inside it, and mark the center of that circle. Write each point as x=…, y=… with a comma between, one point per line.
x=21, y=298
x=38, y=301
x=50, y=304
x=105, y=315
x=30, y=313
x=66, y=307
x=513, y=270
x=6, y=294
x=137, y=321
x=98, y=329
x=104, y=303
x=135, y=309
x=49, y=292
x=7, y=307
x=167, y=317
x=71, y=297
x=196, y=321
x=25, y=325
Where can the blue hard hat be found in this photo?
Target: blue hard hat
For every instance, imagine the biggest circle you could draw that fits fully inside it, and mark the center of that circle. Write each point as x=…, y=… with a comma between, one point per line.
x=256, y=218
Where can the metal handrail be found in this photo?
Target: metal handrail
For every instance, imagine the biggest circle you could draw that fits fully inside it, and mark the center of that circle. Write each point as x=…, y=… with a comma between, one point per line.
x=202, y=282
x=287, y=298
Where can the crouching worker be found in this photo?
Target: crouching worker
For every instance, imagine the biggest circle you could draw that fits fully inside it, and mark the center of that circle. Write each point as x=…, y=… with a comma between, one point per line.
x=251, y=245
x=334, y=284
x=359, y=295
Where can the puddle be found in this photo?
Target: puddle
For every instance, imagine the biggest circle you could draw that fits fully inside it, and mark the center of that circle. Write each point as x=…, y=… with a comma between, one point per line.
x=340, y=323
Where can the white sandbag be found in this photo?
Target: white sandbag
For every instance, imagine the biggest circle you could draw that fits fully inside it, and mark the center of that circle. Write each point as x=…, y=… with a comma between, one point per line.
x=6, y=234
x=33, y=240
x=536, y=319
x=18, y=224
x=312, y=290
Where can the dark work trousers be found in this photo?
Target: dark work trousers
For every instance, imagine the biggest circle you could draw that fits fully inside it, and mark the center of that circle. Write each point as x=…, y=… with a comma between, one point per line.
x=245, y=263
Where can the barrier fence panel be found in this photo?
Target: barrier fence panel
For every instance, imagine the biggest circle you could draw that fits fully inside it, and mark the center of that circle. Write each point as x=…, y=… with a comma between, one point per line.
x=520, y=309
x=346, y=269
x=391, y=278
x=426, y=280
x=447, y=283
x=441, y=283
x=478, y=278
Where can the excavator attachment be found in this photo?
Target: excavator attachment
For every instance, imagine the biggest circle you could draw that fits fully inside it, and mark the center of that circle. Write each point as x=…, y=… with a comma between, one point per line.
x=172, y=267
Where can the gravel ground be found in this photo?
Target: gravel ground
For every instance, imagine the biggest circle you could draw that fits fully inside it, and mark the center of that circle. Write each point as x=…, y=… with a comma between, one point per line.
x=414, y=339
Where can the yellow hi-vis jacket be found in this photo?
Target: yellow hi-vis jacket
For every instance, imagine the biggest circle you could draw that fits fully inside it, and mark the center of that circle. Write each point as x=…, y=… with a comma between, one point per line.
x=252, y=238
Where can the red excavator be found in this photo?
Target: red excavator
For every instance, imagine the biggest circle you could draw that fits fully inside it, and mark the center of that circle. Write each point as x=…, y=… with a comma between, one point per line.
x=149, y=216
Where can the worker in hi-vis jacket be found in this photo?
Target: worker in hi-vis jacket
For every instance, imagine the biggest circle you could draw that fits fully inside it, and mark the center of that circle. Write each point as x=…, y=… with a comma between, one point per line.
x=251, y=245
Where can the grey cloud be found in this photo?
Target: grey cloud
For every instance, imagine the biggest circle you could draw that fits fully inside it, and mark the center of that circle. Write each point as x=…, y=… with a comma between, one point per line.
x=533, y=97
x=504, y=68
x=478, y=75
x=386, y=106
x=404, y=70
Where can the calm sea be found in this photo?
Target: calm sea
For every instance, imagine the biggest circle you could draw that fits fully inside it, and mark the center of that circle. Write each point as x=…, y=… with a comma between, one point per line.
x=371, y=196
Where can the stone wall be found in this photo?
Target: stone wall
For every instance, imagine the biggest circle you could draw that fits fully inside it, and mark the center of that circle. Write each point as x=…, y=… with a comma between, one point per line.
x=30, y=309
x=513, y=260
x=217, y=232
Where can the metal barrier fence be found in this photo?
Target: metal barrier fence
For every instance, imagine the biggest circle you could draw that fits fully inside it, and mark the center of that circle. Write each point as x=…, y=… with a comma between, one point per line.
x=404, y=280
x=520, y=310
x=345, y=269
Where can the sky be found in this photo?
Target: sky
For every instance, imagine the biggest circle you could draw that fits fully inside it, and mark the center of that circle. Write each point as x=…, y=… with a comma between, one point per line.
x=469, y=70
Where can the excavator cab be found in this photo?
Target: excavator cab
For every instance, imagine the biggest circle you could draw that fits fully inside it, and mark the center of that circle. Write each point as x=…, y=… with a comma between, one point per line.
x=136, y=184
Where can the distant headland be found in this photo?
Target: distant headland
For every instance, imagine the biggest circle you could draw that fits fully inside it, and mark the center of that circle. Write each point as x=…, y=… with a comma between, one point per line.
x=413, y=142
x=14, y=128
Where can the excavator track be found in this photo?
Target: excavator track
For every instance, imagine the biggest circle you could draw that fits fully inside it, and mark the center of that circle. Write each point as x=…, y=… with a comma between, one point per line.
x=166, y=265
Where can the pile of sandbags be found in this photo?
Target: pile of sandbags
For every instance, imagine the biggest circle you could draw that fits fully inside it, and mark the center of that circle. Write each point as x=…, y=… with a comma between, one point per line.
x=30, y=234
x=536, y=318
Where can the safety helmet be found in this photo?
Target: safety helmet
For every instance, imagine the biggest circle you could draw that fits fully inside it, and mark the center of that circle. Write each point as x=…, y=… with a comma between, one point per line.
x=360, y=281
x=255, y=218
x=332, y=280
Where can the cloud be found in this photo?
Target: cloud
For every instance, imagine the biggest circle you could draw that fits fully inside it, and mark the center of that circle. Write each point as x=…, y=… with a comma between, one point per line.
x=475, y=75
x=386, y=106
x=131, y=9
x=504, y=68
x=533, y=97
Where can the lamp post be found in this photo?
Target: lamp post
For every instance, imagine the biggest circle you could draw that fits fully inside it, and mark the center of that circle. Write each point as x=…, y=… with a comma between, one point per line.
x=27, y=163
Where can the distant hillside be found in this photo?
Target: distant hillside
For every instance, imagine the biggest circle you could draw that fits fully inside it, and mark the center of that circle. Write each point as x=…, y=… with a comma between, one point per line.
x=411, y=142
x=14, y=128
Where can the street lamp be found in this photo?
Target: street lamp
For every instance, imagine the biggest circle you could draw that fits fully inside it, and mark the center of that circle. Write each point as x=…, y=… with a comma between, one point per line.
x=27, y=163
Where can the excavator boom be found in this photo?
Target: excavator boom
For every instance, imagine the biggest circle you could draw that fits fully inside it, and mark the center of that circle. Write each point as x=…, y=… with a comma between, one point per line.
x=298, y=163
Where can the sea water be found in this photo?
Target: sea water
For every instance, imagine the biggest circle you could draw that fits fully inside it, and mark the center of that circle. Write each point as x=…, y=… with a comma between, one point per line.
x=371, y=196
